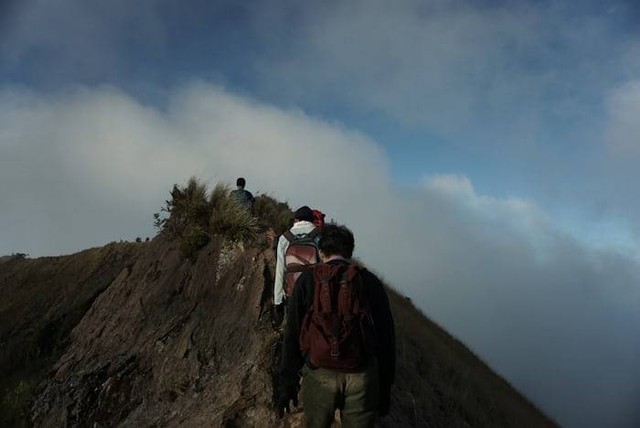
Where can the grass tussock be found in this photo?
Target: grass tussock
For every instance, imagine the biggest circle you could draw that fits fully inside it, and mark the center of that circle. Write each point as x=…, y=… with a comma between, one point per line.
x=196, y=215
x=230, y=219
x=272, y=214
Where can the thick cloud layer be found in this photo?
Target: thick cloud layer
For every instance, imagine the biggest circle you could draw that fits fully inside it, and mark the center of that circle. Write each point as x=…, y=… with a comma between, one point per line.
x=78, y=159
x=541, y=95
x=559, y=320
x=525, y=96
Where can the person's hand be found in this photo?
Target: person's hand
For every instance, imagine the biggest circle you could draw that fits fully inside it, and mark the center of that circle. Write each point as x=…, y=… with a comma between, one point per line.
x=288, y=396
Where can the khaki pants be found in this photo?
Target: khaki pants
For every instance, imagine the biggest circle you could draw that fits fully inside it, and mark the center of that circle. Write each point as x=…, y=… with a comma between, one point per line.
x=355, y=394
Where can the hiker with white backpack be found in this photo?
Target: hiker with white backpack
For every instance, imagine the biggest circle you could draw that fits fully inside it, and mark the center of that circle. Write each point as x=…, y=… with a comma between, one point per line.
x=297, y=250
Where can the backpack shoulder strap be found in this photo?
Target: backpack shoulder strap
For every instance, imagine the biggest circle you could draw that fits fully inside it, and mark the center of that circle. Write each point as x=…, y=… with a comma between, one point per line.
x=344, y=296
x=350, y=291
x=315, y=232
x=289, y=236
x=323, y=275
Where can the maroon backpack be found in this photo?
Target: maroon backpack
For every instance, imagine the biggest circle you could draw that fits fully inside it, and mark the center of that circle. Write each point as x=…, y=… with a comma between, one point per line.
x=337, y=332
x=302, y=254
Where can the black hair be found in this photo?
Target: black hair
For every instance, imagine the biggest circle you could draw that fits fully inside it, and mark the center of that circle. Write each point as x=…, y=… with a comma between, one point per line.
x=336, y=240
x=303, y=213
x=241, y=182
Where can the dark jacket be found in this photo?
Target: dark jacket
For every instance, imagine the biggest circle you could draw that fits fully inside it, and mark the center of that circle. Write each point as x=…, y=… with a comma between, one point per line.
x=302, y=299
x=243, y=197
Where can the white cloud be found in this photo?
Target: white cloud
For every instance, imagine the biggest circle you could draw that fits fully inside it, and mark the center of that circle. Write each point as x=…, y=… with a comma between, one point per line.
x=460, y=188
x=94, y=152
x=91, y=165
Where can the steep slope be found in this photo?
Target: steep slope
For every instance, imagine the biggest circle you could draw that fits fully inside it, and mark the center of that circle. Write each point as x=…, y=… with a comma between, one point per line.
x=441, y=383
x=175, y=342
x=42, y=300
x=190, y=342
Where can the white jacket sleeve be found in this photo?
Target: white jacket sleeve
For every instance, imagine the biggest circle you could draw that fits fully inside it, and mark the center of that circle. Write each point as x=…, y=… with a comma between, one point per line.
x=278, y=287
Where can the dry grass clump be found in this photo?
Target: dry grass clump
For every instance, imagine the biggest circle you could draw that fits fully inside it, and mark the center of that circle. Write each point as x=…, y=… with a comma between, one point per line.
x=195, y=216
x=272, y=214
x=229, y=219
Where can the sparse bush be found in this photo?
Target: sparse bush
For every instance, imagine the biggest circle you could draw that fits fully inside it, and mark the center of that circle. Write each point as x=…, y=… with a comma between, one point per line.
x=194, y=238
x=229, y=219
x=272, y=214
x=188, y=219
x=188, y=207
x=195, y=217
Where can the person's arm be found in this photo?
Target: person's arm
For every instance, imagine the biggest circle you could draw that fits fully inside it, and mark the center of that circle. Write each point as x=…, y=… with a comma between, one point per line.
x=385, y=330
x=292, y=360
x=278, y=286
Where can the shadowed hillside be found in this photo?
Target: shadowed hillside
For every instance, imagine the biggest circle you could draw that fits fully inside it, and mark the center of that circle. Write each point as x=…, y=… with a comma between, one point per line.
x=42, y=300
x=168, y=335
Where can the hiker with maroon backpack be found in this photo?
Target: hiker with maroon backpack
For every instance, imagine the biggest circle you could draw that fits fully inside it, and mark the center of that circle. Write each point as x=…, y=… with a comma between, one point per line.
x=297, y=251
x=340, y=335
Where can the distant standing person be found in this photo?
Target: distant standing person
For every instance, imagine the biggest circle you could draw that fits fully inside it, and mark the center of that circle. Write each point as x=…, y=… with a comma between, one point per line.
x=341, y=333
x=242, y=196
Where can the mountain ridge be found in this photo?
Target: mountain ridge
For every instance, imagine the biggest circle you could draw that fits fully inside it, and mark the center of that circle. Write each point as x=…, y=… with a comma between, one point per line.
x=181, y=331
x=178, y=341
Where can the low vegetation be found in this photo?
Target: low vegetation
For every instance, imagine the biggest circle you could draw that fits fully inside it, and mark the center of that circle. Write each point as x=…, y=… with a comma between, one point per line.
x=229, y=219
x=195, y=215
x=272, y=214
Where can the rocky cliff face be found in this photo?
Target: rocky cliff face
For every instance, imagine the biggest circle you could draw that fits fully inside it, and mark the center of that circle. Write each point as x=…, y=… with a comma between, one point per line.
x=168, y=341
x=41, y=301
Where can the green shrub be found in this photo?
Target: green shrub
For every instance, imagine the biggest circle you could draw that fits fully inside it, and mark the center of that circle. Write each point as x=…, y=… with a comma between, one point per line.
x=272, y=214
x=189, y=212
x=187, y=208
x=192, y=239
x=194, y=216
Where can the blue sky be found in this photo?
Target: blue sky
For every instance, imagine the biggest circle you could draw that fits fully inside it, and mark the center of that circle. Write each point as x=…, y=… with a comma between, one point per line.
x=499, y=140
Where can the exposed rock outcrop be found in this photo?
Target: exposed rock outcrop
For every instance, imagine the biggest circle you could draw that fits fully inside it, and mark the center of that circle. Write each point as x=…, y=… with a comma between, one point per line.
x=174, y=342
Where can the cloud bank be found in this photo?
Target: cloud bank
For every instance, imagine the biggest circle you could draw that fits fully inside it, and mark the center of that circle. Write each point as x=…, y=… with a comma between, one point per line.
x=559, y=320
x=526, y=93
